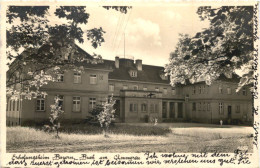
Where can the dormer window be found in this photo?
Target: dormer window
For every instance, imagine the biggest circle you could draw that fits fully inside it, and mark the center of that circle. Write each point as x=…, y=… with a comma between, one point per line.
x=133, y=73
x=164, y=77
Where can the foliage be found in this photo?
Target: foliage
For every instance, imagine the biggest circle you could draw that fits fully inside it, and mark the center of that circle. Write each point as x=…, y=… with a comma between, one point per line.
x=96, y=111
x=223, y=48
x=56, y=114
x=107, y=115
x=48, y=48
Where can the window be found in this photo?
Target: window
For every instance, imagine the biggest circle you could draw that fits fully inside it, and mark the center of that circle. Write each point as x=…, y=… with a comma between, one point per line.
x=194, y=90
x=111, y=88
x=164, y=77
x=143, y=107
x=18, y=105
x=221, y=109
x=194, y=106
x=10, y=105
x=156, y=108
x=165, y=91
x=60, y=78
x=229, y=90
x=199, y=89
x=208, y=107
x=93, y=79
x=133, y=73
x=76, y=103
x=133, y=107
x=92, y=102
x=199, y=106
x=40, y=104
x=77, y=77
x=151, y=108
x=125, y=87
x=204, y=106
x=135, y=87
x=145, y=88
x=220, y=90
x=60, y=102
x=14, y=102
x=237, y=109
x=173, y=91
x=203, y=89
x=244, y=91
x=157, y=89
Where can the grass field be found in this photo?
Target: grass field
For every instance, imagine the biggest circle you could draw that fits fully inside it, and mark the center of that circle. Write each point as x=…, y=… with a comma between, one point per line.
x=171, y=139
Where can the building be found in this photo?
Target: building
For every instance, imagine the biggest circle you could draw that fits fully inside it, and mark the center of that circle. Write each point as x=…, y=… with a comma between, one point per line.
x=142, y=93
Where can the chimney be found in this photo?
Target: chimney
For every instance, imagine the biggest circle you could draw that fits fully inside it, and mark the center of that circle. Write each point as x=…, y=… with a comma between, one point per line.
x=117, y=62
x=138, y=64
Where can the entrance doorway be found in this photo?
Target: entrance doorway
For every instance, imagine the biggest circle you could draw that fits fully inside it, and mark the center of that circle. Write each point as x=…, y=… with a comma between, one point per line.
x=180, y=115
x=117, y=109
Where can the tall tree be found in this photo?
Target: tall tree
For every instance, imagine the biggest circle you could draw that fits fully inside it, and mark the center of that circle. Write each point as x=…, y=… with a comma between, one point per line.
x=48, y=49
x=223, y=48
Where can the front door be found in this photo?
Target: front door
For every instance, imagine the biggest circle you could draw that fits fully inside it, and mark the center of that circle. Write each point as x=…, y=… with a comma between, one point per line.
x=229, y=111
x=180, y=110
x=172, y=112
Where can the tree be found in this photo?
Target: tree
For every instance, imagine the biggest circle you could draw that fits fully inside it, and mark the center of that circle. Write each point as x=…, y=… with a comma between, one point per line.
x=56, y=114
x=223, y=48
x=107, y=115
x=48, y=49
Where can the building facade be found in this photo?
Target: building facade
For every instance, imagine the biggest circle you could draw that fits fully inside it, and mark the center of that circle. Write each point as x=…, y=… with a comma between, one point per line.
x=142, y=93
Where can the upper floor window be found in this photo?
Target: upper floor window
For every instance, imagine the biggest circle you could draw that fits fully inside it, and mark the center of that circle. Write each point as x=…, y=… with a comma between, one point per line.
x=220, y=89
x=40, y=103
x=77, y=77
x=111, y=87
x=76, y=103
x=221, y=108
x=165, y=91
x=173, y=91
x=203, y=89
x=199, y=89
x=143, y=107
x=92, y=102
x=194, y=90
x=228, y=90
x=125, y=87
x=93, y=79
x=157, y=89
x=60, y=78
x=244, y=91
x=133, y=107
x=60, y=102
x=199, y=106
x=135, y=87
x=151, y=108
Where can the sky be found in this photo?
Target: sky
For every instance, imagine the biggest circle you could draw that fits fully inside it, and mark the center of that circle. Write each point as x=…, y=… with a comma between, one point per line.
x=150, y=33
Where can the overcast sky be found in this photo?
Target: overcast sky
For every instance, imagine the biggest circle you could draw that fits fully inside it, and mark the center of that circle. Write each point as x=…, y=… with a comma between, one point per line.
x=151, y=33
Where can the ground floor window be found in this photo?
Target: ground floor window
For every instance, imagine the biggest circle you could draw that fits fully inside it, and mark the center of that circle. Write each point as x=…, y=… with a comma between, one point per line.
x=92, y=102
x=76, y=103
x=221, y=109
x=60, y=102
x=40, y=104
x=237, y=109
x=194, y=106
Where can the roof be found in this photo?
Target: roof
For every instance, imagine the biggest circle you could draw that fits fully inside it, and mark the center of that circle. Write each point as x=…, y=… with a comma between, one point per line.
x=149, y=73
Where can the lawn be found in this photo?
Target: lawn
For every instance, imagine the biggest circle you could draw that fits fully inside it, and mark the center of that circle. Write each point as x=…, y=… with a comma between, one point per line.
x=131, y=138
